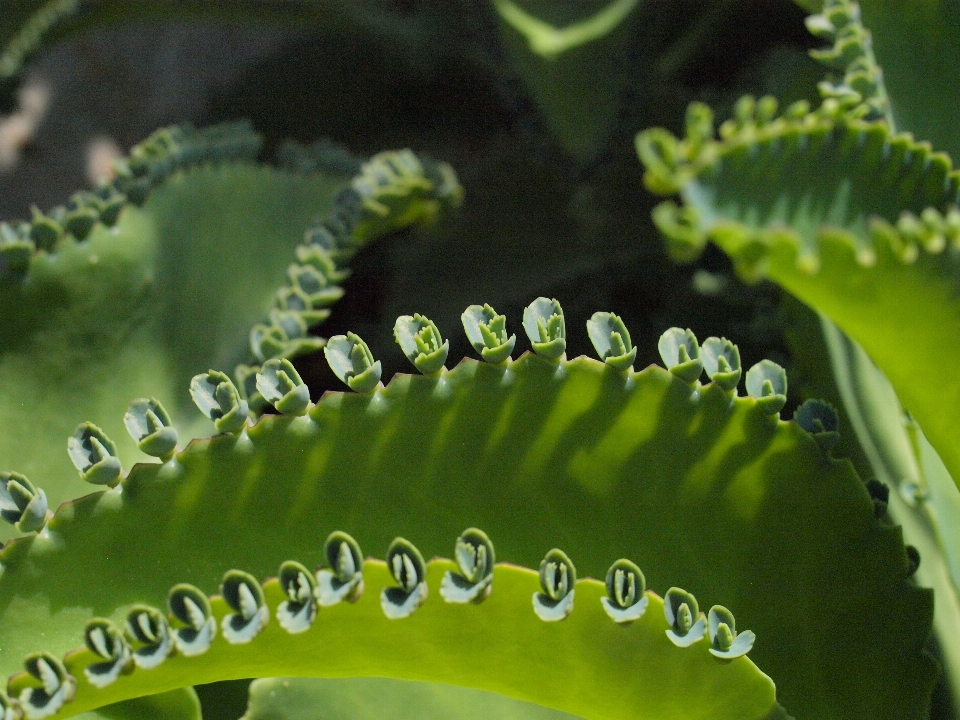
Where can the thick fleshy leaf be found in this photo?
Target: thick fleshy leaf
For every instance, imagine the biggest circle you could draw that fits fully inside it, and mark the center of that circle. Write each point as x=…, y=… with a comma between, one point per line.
x=383, y=699
x=856, y=223
x=591, y=450
x=136, y=310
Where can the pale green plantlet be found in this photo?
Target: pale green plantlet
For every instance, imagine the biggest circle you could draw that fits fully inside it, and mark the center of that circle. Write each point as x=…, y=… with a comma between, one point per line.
x=558, y=578
x=545, y=327
x=52, y=688
x=107, y=642
x=352, y=362
x=196, y=627
x=820, y=420
x=243, y=594
x=726, y=643
x=21, y=503
x=94, y=455
x=767, y=382
x=150, y=426
x=680, y=353
x=421, y=343
x=281, y=386
x=409, y=572
x=344, y=579
x=626, y=585
x=297, y=613
x=150, y=636
x=686, y=623
x=487, y=332
x=611, y=340
x=216, y=396
x=475, y=558
x=721, y=361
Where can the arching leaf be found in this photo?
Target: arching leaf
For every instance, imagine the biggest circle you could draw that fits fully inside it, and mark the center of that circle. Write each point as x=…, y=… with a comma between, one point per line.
x=710, y=495
x=856, y=222
x=382, y=699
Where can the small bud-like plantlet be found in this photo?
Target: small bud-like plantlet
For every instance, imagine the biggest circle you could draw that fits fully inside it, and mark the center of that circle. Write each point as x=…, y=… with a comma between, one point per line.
x=9, y=709
x=198, y=627
x=487, y=332
x=243, y=594
x=420, y=341
x=110, y=207
x=352, y=362
x=681, y=354
x=410, y=573
x=281, y=386
x=725, y=642
x=81, y=221
x=820, y=420
x=880, y=494
x=626, y=585
x=45, y=232
x=246, y=378
x=21, y=503
x=57, y=686
x=150, y=425
x=681, y=228
x=323, y=261
x=94, y=455
x=267, y=341
x=913, y=560
x=297, y=613
x=149, y=635
x=344, y=579
x=687, y=624
x=611, y=340
x=312, y=283
x=721, y=360
x=558, y=577
x=217, y=397
x=295, y=300
x=699, y=125
x=767, y=382
x=544, y=324
x=475, y=559
x=104, y=640
x=16, y=249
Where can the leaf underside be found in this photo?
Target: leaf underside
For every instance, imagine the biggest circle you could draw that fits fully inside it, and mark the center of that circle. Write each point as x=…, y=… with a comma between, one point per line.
x=702, y=493
x=382, y=699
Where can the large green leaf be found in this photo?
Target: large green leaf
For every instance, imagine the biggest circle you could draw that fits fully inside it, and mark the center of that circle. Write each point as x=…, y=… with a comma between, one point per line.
x=703, y=493
x=816, y=205
x=382, y=699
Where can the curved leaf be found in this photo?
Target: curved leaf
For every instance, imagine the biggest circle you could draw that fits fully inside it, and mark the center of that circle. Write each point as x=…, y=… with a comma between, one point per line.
x=382, y=699
x=703, y=493
x=137, y=309
x=179, y=704
x=835, y=211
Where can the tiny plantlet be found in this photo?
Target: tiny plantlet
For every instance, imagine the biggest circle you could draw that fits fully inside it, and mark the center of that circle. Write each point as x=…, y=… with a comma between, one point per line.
x=512, y=514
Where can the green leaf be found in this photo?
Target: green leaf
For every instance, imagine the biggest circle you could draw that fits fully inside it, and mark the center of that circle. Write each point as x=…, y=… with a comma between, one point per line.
x=181, y=704
x=746, y=510
x=136, y=310
x=574, y=74
x=925, y=500
x=853, y=221
x=918, y=46
x=383, y=699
